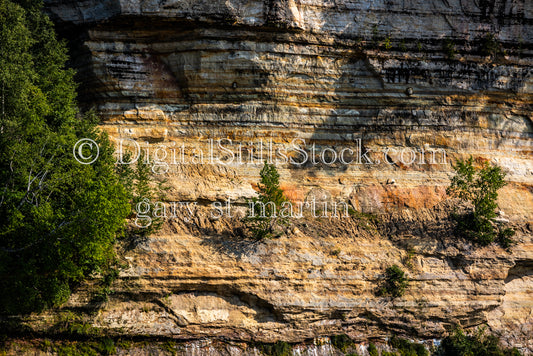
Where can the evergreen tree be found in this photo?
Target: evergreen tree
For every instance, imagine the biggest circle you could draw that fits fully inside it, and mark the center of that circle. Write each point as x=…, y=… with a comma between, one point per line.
x=266, y=216
x=58, y=218
x=395, y=283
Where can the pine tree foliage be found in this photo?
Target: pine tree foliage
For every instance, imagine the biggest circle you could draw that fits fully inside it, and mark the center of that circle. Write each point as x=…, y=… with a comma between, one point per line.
x=58, y=218
x=266, y=217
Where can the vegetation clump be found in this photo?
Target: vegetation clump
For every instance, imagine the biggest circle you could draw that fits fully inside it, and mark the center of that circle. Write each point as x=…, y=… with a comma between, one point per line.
x=145, y=196
x=60, y=216
x=387, y=43
x=449, y=49
x=476, y=344
x=73, y=325
x=103, y=346
x=408, y=259
x=490, y=46
x=279, y=348
x=372, y=350
x=342, y=342
x=395, y=282
x=59, y=219
x=265, y=216
x=408, y=348
x=478, y=186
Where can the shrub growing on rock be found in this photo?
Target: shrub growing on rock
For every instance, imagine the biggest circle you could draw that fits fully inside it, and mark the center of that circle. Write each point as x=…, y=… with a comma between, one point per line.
x=279, y=348
x=479, y=187
x=408, y=348
x=476, y=344
x=395, y=282
x=341, y=342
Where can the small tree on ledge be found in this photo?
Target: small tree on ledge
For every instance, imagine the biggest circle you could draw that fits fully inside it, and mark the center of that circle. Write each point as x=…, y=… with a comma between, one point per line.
x=265, y=217
x=395, y=282
x=479, y=187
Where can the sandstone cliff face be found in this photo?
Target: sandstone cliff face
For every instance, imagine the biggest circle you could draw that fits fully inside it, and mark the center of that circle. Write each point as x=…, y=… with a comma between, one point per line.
x=447, y=76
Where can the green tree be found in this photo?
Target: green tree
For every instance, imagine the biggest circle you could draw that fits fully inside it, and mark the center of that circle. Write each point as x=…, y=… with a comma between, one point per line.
x=395, y=282
x=266, y=215
x=138, y=178
x=58, y=218
x=479, y=187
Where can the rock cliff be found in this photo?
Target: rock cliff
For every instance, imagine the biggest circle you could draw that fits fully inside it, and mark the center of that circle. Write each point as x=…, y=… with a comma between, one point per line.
x=413, y=84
